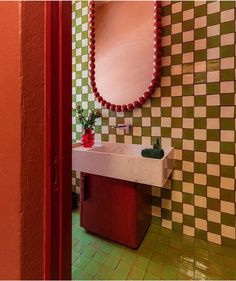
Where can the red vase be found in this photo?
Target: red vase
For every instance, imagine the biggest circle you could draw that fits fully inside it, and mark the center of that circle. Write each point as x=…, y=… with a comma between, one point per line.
x=88, y=138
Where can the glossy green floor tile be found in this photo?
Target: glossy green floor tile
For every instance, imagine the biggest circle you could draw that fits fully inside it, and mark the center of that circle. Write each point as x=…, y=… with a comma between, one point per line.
x=163, y=255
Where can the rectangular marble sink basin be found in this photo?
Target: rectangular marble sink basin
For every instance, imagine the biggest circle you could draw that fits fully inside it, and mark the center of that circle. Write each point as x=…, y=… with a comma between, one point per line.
x=123, y=161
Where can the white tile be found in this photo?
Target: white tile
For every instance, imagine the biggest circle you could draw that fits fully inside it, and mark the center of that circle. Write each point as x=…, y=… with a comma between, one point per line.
x=112, y=138
x=165, y=203
x=227, y=15
x=156, y=211
x=156, y=131
x=128, y=139
x=146, y=121
x=188, y=187
x=227, y=87
x=188, y=36
x=213, y=76
x=177, y=196
x=227, y=159
x=201, y=224
x=213, y=192
x=228, y=231
x=200, y=66
x=213, y=169
x=213, y=53
x=176, y=111
x=213, y=123
x=188, y=166
x=137, y=131
x=176, y=69
x=213, y=100
x=166, y=41
x=199, y=89
x=200, y=22
x=200, y=201
x=188, y=57
x=188, y=101
x=200, y=44
x=188, y=209
x=166, y=122
x=213, y=146
x=188, y=144
x=200, y=157
x=213, y=216
x=176, y=7
x=213, y=7
x=176, y=28
x=226, y=63
x=227, y=135
x=155, y=111
x=200, y=134
x=213, y=30
x=200, y=179
x=227, y=207
x=227, y=39
x=227, y=183
x=166, y=102
x=177, y=217
x=187, y=79
x=188, y=14
x=176, y=49
x=188, y=123
x=215, y=238
x=166, y=223
x=200, y=111
x=176, y=133
x=188, y=230
x=166, y=20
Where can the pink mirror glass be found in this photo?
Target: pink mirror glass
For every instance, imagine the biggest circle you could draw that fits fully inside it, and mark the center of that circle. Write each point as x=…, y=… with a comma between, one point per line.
x=124, y=52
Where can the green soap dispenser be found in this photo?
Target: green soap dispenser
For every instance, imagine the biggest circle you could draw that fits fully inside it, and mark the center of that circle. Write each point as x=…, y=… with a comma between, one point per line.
x=157, y=145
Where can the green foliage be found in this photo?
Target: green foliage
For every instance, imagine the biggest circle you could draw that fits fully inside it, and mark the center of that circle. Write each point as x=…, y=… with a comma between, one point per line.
x=89, y=121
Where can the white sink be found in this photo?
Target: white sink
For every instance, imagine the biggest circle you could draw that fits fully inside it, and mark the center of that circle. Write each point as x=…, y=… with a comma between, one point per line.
x=123, y=161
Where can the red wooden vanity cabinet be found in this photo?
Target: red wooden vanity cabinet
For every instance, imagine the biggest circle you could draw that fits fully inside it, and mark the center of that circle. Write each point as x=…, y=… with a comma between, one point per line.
x=116, y=209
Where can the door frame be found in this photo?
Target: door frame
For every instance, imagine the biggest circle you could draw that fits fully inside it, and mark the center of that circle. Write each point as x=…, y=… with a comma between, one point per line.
x=58, y=143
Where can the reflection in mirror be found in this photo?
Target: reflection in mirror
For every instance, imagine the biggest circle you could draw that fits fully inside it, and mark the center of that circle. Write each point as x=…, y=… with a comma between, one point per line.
x=124, y=53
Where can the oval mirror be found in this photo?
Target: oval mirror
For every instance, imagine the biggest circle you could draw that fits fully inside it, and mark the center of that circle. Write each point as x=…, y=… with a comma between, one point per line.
x=125, y=58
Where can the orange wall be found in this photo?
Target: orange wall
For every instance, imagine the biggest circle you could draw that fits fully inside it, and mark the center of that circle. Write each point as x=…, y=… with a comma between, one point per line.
x=10, y=132
x=21, y=140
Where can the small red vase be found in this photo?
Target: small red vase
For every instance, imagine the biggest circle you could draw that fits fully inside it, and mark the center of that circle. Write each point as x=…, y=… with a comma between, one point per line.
x=88, y=138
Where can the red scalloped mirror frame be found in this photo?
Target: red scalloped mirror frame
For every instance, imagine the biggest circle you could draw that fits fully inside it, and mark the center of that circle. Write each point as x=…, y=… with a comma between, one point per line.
x=155, y=81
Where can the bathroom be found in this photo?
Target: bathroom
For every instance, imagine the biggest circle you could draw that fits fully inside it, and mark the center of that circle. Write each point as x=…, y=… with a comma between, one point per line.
x=192, y=234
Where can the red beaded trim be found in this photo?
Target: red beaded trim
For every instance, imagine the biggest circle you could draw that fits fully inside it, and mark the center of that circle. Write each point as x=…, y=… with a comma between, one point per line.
x=156, y=61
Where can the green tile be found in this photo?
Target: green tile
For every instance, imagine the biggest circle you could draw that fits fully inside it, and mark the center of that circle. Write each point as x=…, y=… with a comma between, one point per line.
x=103, y=273
x=227, y=75
x=136, y=273
x=155, y=267
x=92, y=267
x=123, y=267
x=169, y=272
x=100, y=257
x=141, y=263
x=227, y=51
x=227, y=27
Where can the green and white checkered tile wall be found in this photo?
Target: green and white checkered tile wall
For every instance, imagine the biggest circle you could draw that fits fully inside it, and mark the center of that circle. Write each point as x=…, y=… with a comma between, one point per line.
x=194, y=111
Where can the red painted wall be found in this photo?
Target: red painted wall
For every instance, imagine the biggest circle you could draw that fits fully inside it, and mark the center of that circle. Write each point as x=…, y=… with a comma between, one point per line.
x=21, y=140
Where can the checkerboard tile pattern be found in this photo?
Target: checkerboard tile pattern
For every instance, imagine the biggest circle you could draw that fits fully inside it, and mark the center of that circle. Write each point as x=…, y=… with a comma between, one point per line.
x=194, y=110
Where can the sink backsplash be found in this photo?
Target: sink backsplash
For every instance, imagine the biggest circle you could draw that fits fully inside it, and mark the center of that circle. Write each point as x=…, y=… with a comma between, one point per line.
x=193, y=111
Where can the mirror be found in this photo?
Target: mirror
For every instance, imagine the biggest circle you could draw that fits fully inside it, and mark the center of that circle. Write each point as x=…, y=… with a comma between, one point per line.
x=125, y=58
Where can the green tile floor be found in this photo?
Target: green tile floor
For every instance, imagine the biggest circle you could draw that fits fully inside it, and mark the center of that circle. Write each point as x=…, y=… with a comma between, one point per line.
x=163, y=254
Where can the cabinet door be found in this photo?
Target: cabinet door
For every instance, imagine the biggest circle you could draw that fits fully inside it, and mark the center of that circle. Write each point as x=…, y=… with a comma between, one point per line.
x=108, y=208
